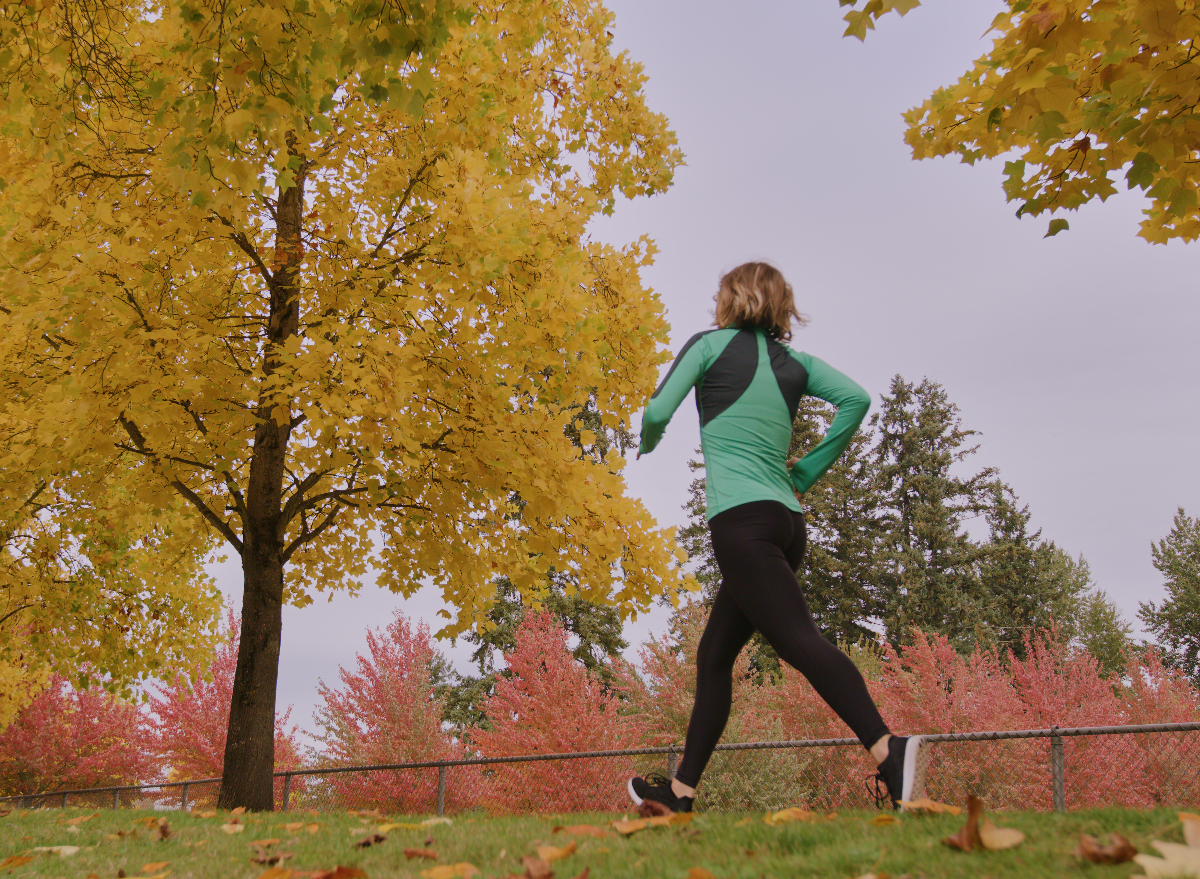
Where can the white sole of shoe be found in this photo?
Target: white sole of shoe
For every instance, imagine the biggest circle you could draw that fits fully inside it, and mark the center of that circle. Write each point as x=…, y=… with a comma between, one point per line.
x=637, y=801
x=916, y=759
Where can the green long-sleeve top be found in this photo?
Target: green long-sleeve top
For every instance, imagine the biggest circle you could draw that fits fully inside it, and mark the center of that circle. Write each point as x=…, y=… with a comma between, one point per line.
x=748, y=389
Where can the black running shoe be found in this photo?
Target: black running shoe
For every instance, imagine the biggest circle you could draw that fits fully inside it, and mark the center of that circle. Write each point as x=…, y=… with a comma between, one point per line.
x=903, y=772
x=658, y=788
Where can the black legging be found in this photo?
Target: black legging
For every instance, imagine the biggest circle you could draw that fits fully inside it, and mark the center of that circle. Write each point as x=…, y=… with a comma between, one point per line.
x=758, y=547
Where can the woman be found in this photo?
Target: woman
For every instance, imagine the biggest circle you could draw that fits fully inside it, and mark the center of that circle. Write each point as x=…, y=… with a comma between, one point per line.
x=748, y=387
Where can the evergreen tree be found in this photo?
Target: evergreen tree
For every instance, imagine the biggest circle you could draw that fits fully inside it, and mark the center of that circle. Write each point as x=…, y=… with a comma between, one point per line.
x=1103, y=632
x=694, y=537
x=1176, y=621
x=928, y=561
x=840, y=574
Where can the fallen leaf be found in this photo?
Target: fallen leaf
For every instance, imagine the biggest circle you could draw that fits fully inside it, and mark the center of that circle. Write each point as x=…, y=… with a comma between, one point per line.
x=233, y=828
x=700, y=873
x=294, y=826
x=120, y=873
x=370, y=839
x=461, y=870
x=1118, y=851
x=149, y=823
x=550, y=854
x=74, y=821
x=744, y=822
x=931, y=806
x=784, y=816
x=240, y=810
x=207, y=813
x=266, y=843
x=162, y=875
x=261, y=856
x=585, y=873
x=277, y=873
x=427, y=853
x=335, y=873
x=885, y=820
x=653, y=809
x=582, y=830
x=164, y=830
x=968, y=837
x=312, y=828
x=63, y=851
x=1191, y=828
x=668, y=820
x=154, y=867
x=72, y=829
x=4, y=813
x=1176, y=861
x=627, y=827
x=15, y=861
x=367, y=813
x=430, y=822
x=998, y=839
x=535, y=868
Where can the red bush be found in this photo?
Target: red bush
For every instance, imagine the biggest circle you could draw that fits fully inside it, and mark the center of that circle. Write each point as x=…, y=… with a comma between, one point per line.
x=66, y=739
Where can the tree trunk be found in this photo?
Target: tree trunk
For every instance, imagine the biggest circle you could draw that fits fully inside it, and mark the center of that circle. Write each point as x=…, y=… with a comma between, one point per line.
x=250, y=743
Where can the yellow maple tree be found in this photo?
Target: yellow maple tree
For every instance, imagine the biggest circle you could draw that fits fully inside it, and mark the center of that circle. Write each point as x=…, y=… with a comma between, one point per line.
x=311, y=279
x=1082, y=94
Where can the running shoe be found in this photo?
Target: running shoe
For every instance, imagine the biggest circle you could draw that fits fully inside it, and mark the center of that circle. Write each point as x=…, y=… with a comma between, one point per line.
x=903, y=772
x=657, y=787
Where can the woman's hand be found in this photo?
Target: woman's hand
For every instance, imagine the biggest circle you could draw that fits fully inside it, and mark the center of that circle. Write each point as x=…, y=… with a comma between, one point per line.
x=790, y=464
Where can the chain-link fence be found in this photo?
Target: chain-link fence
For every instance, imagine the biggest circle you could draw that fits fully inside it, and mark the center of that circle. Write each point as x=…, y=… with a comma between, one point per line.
x=1043, y=769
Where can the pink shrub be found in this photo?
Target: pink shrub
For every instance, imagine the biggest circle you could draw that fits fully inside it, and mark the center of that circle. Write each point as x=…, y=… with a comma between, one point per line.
x=66, y=739
x=550, y=704
x=189, y=721
x=385, y=711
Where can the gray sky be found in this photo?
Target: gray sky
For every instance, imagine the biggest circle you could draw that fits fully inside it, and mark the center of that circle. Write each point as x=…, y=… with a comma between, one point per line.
x=1073, y=356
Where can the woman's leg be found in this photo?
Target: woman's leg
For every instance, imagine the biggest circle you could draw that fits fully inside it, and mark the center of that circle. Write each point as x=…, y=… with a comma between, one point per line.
x=725, y=634
x=757, y=546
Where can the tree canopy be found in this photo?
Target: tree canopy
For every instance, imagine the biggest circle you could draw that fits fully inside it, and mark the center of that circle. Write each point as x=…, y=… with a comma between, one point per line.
x=309, y=279
x=1081, y=93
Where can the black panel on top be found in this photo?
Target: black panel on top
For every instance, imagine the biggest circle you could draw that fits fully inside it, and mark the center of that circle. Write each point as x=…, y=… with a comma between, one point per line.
x=789, y=373
x=684, y=350
x=729, y=376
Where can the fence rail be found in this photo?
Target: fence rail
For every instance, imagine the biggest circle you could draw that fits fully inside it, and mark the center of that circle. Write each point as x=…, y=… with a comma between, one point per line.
x=1056, y=768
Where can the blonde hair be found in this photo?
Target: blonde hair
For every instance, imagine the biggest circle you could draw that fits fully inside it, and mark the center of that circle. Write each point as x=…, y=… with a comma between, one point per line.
x=756, y=296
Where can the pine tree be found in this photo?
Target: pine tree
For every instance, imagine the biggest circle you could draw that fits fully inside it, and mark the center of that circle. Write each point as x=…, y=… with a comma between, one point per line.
x=927, y=559
x=840, y=574
x=1102, y=631
x=1176, y=621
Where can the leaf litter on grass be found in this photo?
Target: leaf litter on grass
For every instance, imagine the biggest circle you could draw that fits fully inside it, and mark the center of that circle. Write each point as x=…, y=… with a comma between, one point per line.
x=983, y=833
x=1177, y=861
x=1118, y=851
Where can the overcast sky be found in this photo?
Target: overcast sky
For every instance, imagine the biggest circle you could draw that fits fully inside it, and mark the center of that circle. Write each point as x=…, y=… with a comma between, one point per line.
x=1075, y=356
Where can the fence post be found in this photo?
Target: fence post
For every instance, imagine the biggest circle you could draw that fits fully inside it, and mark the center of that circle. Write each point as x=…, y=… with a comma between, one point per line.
x=1057, y=770
x=441, y=791
x=64, y=805
x=116, y=797
x=183, y=800
x=287, y=790
x=672, y=760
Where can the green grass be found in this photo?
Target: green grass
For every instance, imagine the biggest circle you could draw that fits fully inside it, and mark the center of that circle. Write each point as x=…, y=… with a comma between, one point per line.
x=729, y=845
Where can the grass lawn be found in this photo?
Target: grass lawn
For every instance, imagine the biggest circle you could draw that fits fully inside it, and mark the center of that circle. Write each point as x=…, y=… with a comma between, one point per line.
x=727, y=845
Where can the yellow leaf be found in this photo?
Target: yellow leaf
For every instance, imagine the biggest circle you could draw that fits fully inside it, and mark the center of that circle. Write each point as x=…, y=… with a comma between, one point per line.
x=265, y=843
x=154, y=867
x=277, y=872
x=1177, y=861
x=625, y=828
x=1191, y=828
x=785, y=816
x=233, y=828
x=998, y=838
x=551, y=853
x=885, y=820
x=700, y=873
x=931, y=806
x=461, y=870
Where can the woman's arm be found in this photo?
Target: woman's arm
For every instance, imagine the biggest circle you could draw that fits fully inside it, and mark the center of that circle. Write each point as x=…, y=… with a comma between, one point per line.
x=852, y=402
x=687, y=369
